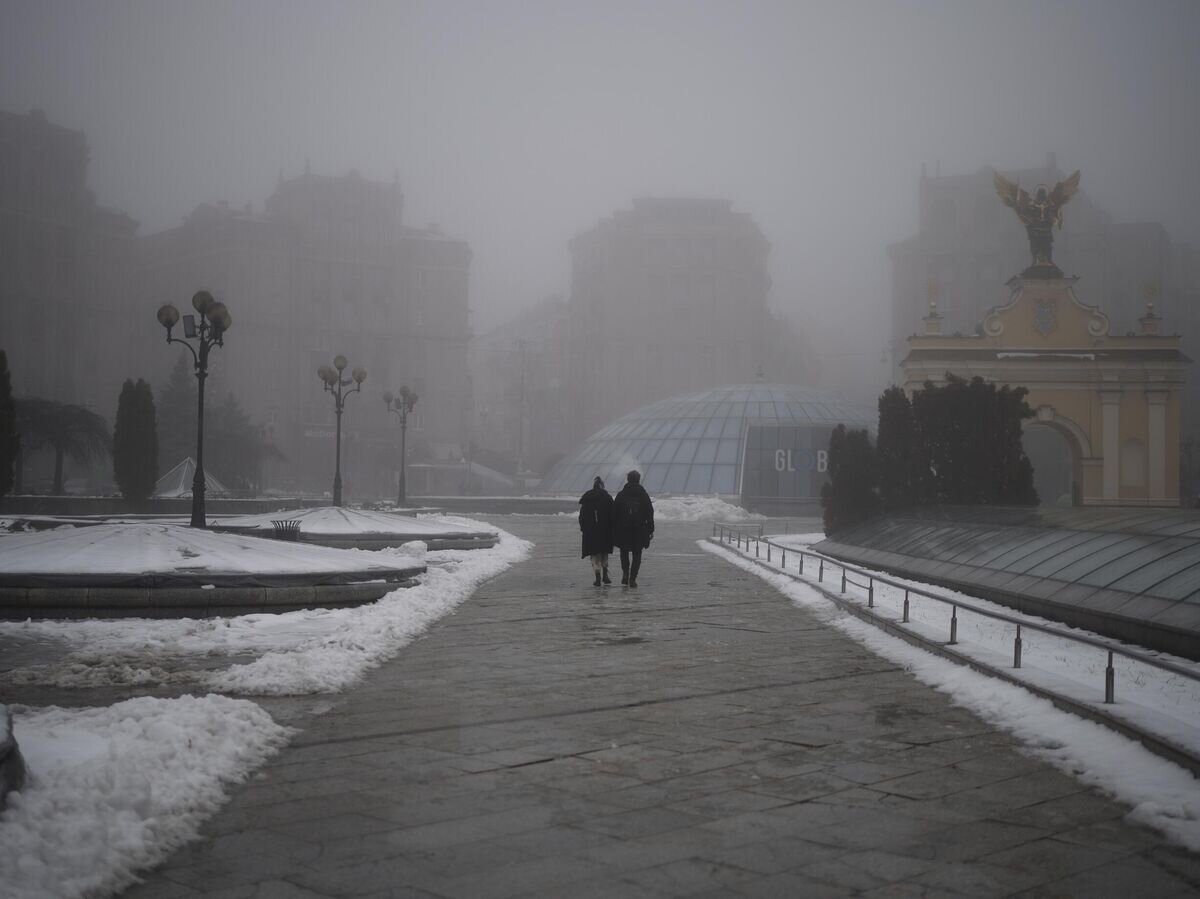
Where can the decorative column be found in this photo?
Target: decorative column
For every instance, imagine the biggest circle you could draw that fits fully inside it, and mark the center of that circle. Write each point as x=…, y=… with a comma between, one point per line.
x=1156, y=442
x=1110, y=403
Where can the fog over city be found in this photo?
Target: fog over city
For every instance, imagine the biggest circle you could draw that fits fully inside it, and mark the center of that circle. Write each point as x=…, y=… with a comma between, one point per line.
x=539, y=448
x=517, y=125
x=514, y=127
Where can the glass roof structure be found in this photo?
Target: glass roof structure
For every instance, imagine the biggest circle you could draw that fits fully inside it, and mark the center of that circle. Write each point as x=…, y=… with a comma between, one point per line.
x=1130, y=573
x=695, y=444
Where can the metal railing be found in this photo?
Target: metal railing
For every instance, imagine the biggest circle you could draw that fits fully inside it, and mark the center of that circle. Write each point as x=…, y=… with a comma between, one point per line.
x=732, y=535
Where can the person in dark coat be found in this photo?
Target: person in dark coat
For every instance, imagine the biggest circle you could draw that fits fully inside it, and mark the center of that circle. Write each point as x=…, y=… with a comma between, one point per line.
x=633, y=525
x=595, y=520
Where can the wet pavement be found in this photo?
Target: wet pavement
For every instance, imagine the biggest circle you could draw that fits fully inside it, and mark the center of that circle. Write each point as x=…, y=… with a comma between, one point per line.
x=697, y=736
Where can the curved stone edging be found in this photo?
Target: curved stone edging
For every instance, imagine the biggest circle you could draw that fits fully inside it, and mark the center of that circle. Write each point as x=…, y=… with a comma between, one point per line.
x=389, y=541
x=225, y=580
x=18, y=603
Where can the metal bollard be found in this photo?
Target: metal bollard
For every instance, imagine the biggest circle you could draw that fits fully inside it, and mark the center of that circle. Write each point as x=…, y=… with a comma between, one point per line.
x=1109, y=681
x=905, y=618
x=1017, y=649
x=953, y=625
x=801, y=564
x=843, y=579
x=768, y=550
x=756, y=543
x=782, y=558
x=871, y=593
x=821, y=573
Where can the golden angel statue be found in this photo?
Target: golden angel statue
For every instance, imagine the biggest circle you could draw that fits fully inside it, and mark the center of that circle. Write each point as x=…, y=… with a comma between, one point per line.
x=1039, y=214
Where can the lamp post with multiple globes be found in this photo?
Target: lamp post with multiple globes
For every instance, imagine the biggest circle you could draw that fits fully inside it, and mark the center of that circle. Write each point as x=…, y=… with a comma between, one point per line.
x=401, y=405
x=208, y=331
x=334, y=383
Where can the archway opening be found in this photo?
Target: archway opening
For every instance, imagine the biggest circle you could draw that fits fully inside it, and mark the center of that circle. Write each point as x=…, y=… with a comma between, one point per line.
x=1054, y=464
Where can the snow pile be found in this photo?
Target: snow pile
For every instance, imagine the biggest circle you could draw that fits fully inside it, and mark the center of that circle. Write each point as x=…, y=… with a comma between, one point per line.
x=138, y=548
x=700, y=508
x=307, y=651
x=335, y=521
x=348, y=642
x=1163, y=795
x=112, y=790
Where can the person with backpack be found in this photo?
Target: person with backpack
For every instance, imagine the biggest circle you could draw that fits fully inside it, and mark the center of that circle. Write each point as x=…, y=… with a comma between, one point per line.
x=595, y=521
x=633, y=526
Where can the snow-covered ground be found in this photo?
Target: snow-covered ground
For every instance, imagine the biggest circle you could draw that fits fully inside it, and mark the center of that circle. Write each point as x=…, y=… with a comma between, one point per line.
x=700, y=508
x=308, y=651
x=112, y=790
x=1163, y=795
x=695, y=508
x=115, y=789
x=336, y=521
x=141, y=548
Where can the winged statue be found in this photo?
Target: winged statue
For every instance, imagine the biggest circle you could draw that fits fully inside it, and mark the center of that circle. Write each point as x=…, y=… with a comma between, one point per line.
x=1039, y=213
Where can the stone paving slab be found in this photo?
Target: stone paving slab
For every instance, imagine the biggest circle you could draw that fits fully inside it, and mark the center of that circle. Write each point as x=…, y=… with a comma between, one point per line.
x=697, y=736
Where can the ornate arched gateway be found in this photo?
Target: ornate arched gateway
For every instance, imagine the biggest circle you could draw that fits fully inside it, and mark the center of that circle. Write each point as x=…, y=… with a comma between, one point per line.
x=1116, y=399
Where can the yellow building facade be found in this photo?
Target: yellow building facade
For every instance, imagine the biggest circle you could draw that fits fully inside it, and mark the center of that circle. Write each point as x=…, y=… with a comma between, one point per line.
x=1114, y=400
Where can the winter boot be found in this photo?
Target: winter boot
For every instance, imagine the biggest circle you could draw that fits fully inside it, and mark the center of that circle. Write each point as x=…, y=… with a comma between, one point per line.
x=625, y=576
x=606, y=578
x=596, y=582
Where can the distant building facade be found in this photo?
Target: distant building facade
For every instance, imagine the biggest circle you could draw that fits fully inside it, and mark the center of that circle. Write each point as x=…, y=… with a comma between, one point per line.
x=966, y=248
x=667, y=297
x=327, y=268
x=519, y=373
x=64, y=269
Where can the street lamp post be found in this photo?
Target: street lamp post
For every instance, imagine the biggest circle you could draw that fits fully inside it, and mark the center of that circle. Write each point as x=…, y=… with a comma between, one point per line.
x=401, y=405
x=208, y=332
x=336, y=384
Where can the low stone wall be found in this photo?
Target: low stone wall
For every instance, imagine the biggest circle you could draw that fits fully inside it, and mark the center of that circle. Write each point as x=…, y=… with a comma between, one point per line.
x=68, y=506
x=20, y=603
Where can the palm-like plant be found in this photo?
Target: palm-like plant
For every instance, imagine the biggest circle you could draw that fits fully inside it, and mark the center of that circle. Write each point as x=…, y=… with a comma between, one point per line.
x=71, y=431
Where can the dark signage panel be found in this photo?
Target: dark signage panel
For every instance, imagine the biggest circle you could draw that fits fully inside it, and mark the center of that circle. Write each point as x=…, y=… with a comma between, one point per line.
x=785, y=463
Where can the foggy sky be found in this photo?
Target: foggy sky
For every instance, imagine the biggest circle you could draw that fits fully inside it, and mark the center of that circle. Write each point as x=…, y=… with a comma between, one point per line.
x=515, y=125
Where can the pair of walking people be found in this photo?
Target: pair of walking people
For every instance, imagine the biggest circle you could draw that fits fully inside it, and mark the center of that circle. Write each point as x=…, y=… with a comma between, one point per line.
x=627, y=522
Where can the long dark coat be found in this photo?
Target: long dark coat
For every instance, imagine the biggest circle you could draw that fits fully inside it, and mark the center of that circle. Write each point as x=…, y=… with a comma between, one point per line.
x=633, y=518
x=595, y=520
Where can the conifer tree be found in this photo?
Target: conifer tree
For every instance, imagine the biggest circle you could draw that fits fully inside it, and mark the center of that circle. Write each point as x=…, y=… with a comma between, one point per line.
x=10, y=440
x=135, y=442
x=967, y=444
x=850, y=495
x=896, y=451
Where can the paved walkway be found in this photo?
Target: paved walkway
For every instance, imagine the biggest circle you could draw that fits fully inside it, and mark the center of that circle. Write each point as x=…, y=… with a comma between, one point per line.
x=698, y=736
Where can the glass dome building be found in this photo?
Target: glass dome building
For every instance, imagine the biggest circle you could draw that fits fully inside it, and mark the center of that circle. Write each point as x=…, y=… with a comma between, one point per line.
x=762, y=443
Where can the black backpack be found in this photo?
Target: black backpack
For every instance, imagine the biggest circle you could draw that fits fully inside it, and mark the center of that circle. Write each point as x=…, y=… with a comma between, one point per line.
x=629, y=515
